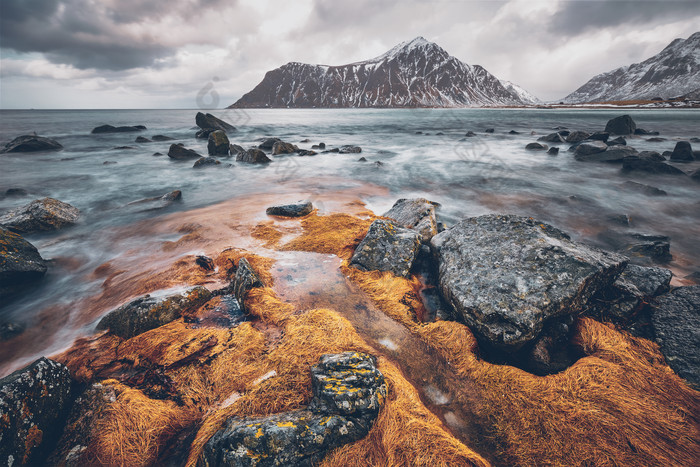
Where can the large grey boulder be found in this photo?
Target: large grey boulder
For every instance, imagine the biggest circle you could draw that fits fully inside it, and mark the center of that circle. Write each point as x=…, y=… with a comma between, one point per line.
x=20, y=264
x=623, y=125
x=676, y=321
x=682, y=152
x=181, y=153
x=218, y=143
x=40, y=215
x=31, y=143
x=33, y=405
x=508, y=275
x=387, y=247
x=417, y=214
x=147, y=312
x=212, y=123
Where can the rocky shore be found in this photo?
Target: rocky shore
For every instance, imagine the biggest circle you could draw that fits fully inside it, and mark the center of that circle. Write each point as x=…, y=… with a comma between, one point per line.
x=537, y=337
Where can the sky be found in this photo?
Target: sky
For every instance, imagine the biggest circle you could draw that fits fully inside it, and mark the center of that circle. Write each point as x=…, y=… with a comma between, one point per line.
x=208, y=53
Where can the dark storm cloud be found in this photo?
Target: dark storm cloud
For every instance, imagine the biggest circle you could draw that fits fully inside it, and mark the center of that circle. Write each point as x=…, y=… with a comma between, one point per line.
x=576, y=17
x=89, y=34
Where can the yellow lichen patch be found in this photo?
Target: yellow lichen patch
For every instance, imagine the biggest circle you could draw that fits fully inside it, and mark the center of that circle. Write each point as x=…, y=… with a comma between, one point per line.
x=336, y=234
x=405, y=433
x=267, y=232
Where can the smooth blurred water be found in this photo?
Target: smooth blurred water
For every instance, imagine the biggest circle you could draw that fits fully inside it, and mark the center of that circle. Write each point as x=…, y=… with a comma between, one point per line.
x=468, y=176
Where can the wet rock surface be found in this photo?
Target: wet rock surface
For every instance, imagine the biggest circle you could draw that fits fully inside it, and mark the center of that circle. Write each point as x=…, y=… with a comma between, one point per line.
x=33, y=405
x=218, y=143
x=31, y=143
x=181, y=153
x=349, y=149
x=387, y=247
x=20, y=264
x=588, y=148
x=646, y=163
x=611, y=154
x=676, y=321
x=577, y=136
x=147, y=312
x=117, y=129
x=682, y=152
x=298, y=209
x=623, y=125
x=281, y=147
x=245, y=279
x=348, y=390
x=157, y=202
x=506, y=276
x=536, y=147
x=40, y=215
x=212, y=123
x=268, y=143
x=253, y=156
x=417, y=214
x=644, y=189
x=205, y=162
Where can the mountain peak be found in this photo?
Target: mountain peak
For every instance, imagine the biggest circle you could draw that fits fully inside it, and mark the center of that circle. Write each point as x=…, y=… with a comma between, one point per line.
x=407, y=47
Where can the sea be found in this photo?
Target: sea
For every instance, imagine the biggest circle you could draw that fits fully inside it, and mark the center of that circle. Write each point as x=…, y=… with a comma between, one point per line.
x=406, y=153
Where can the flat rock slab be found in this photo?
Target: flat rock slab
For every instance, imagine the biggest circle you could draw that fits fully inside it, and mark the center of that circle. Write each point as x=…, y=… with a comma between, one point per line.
x=417, y=214
x=298, y=209
x=31, y=143
x=117, y=129
x=387, y=247
x=611, y=154
x=40, y=215
x=33, y=403
x=181, y=153
x=676, y=321
x=210, y=122
x=507, y=275
x=20, y=263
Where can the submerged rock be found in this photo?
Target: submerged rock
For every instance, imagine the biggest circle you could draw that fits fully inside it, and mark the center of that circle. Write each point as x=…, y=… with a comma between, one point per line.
x=643, y=163
x=552, y=138
x=158, y=202
x=553, y=151
x=676, y=321
x=181, y=153
x=268, y=143
x=161, y=138
x=298, y=209
x=577, y=136
x=417, y=214
x=205, y=162
x=683, y=152
x=141, y=139
x=623, y=125
x=536, y=147
x=210, y=122
x=40, y=215
x=655, y=247
x=619, y=141
x=235, y=149
x=20, y=264
x=280, y=147
x=611, y=154
x=644, y=189
x=33, y=404
x=218, y=143
x=146, y=313
x=31, y=143
x=253, y=156
x=587, y=148
x=117, y=129
x=387, y=247
x=508, y=275
x=348, y=149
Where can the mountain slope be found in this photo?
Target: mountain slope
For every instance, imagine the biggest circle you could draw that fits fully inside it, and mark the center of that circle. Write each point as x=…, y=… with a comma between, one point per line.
x=525, y=96
x=671, y=73
x=416, y=73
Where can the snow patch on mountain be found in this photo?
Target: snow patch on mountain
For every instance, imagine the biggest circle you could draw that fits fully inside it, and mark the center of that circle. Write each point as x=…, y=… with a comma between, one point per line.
x=525, y=96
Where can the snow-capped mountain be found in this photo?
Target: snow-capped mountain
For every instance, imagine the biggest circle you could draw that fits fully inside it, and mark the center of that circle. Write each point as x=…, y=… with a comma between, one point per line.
x=416, y=73
x=525, y=96
x=673, y=72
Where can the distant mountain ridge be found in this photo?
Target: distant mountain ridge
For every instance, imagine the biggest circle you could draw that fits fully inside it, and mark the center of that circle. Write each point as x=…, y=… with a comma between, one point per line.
x=673, y=72
x=416, y=73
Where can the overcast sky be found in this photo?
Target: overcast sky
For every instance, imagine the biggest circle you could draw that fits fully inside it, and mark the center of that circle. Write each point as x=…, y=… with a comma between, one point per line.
x=166, y=53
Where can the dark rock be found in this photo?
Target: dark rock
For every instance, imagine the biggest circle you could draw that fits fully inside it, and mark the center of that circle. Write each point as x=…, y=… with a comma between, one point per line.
x=204, y=134
x=280, y=147
x=205, y=162
x=577, y=136
x=336, y=150
x=683, y=152
x=536, y=147
x=347, y=149
x=210, y=122
x=10, y=330
x=600, y=136
x=158, y=202
x=696, y=155
x=33, y=405
x=651, y=282
x=303, y=153
x=204, y=262
x=378, y=164
x=693, y=276
x=644, y=189
x=16, y=192
x=417, y=214
x=653, y=155
x=641, y=131
x=656, y=247
x=40, y=215
x=122, y=148
x=676, y=321
x=161, y=138
x=362, y=159
x=181, y=153
x=245, y=279
x=439, y=133
x=695, y=175
x=507, y=276
x=387, y=247
x=268, y=143
x=253, y=156
x=141, y=139
x=489, y=130
x=218, y=143
x=638, y=163
x=665, y=155
x=235, y=149
x=553, y=151
x=470, y=134
x=620, y=219
x=146, y=313
x=552, y=138
x=157, y=154
x=305, y=140
x=513, y=132
x=611, y=154
x=623, y=125
x=348, y=390
x=619, y=141
x=20, y=264
x=587, y=148
x=319, y=146
x=551, y=352
x=298, y=209
x=117, y=129
x=694, y=140
x=656, y=140
x=31, y=143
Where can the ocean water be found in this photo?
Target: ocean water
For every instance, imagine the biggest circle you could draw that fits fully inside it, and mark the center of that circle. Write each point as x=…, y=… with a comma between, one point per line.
x=409, y=153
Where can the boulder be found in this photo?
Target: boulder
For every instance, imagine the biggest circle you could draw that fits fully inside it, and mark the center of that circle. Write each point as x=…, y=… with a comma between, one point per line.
x=33, y=405
x=417, y=214
x=553, y=151
x=655, y=247
x=623, y=125
x=298, y=209
x=536, y=147
x=489, y=130
x=245, y=279
x=117, y=129
x=611, y=154
x=20, y=264
x=552, y=138
x=319, y=146
x=644, y=189
x=507, y=276
x=218, y=143
x=280, y=147
x=470, y=134
x=40, y=215
x=683, y=152
x=348, y=393
x=31, y=143
x=619, y=141
x=577, y=136
x=161, y=138
x=676, y=321
x=268, y=143
x=348, y=149
x=653, y=155
x=642, y=163
x=643, y=132
x=141, y=139
x=181, y=153
x=147, y=312
x=210, y=122
x=587, y=148
x=235, y=149
x=303, y=152
x=600, y=136
x=253, y=156
x=205, y=162
x=387, y=247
